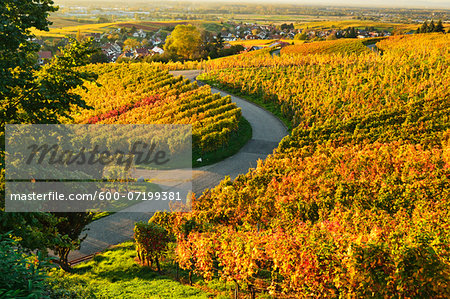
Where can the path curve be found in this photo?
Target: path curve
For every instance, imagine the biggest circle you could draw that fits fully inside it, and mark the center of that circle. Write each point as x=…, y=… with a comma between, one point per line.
x=267, y=133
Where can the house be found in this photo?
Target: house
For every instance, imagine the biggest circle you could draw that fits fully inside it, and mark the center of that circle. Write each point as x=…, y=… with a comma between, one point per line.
x=262, y=35
x=44, y=57
x=230, y=37
x=141, y=52
x=157, y=50
x=157, y=41
x=110, y=49
x=128, y=54
x=251, y=36
x=140, y=34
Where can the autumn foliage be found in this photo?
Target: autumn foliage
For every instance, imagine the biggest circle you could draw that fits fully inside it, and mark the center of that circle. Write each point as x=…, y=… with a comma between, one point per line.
x=356, y=201
x=342, y=46
x=151, y=242
x=142, y=93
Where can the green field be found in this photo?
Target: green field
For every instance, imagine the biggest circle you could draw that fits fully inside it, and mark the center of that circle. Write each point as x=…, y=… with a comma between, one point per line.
x=115, y=273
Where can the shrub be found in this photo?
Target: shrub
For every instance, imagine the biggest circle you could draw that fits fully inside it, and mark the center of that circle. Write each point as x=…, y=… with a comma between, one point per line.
x=151, y=242
x=21, y=275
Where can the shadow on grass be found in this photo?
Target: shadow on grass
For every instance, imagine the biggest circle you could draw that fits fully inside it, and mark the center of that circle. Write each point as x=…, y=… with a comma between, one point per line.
x=115, y=273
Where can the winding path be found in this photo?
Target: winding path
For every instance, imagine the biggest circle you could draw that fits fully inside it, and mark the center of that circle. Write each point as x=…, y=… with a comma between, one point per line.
x=267, y=133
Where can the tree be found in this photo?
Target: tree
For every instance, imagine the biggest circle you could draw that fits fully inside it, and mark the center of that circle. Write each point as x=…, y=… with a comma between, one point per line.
x=439, y=27
x=17, y=17
x=131, y=44
x=432, y=27
x=30, y=94
x=185, y=42
x=103, y=19
x=287, y=26
x=45, y=94
x=79, y=36
x=151, y=242
x=44, y=99
x=351, y=33
x=145, y=42
x=70, y=225
x=209, y=46
x=332, y=36
x=99, y=57
x=424, y=28
x=301, y=36
x=113, y=37
x=219, y=41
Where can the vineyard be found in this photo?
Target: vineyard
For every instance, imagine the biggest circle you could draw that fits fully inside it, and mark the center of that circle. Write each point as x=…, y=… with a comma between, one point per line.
x=355, y=202
x=327, y=47
x=143, y=94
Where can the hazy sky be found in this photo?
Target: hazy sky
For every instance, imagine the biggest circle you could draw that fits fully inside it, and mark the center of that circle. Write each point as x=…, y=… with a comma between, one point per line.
x=384, y=3
x=368, y=3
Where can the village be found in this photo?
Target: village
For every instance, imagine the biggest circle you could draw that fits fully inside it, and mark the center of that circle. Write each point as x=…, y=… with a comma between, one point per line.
x=134, y=43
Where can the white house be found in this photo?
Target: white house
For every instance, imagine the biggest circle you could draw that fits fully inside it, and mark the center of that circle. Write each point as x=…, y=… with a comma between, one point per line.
x=140, y=34
x=157, y=50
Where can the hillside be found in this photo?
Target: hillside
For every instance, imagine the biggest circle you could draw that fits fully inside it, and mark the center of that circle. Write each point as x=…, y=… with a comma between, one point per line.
x=328, y=47
x=141, y=93
x=356, y=201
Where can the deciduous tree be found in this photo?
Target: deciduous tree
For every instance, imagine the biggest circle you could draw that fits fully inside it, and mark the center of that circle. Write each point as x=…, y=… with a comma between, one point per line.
x=32, y=94
x=185, y=41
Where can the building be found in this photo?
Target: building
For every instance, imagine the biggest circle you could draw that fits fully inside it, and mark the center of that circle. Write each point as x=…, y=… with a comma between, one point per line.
x=112, y=51
x=44, y=57
x=140, y=34
x=157, y=50
x=141, y=52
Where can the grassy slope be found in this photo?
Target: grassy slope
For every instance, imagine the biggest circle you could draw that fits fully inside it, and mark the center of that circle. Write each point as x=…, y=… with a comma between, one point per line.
x=116, y=274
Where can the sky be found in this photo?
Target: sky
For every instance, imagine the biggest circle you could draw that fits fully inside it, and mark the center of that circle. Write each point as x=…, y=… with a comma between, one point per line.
x=367, y=3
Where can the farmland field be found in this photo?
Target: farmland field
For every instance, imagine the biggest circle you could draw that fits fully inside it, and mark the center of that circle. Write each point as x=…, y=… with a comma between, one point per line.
x=342, y=24
x=66, y=27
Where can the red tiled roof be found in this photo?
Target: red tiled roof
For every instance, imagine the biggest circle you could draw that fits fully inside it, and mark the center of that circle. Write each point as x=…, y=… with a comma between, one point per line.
x=45, y=54
x=142, y=51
